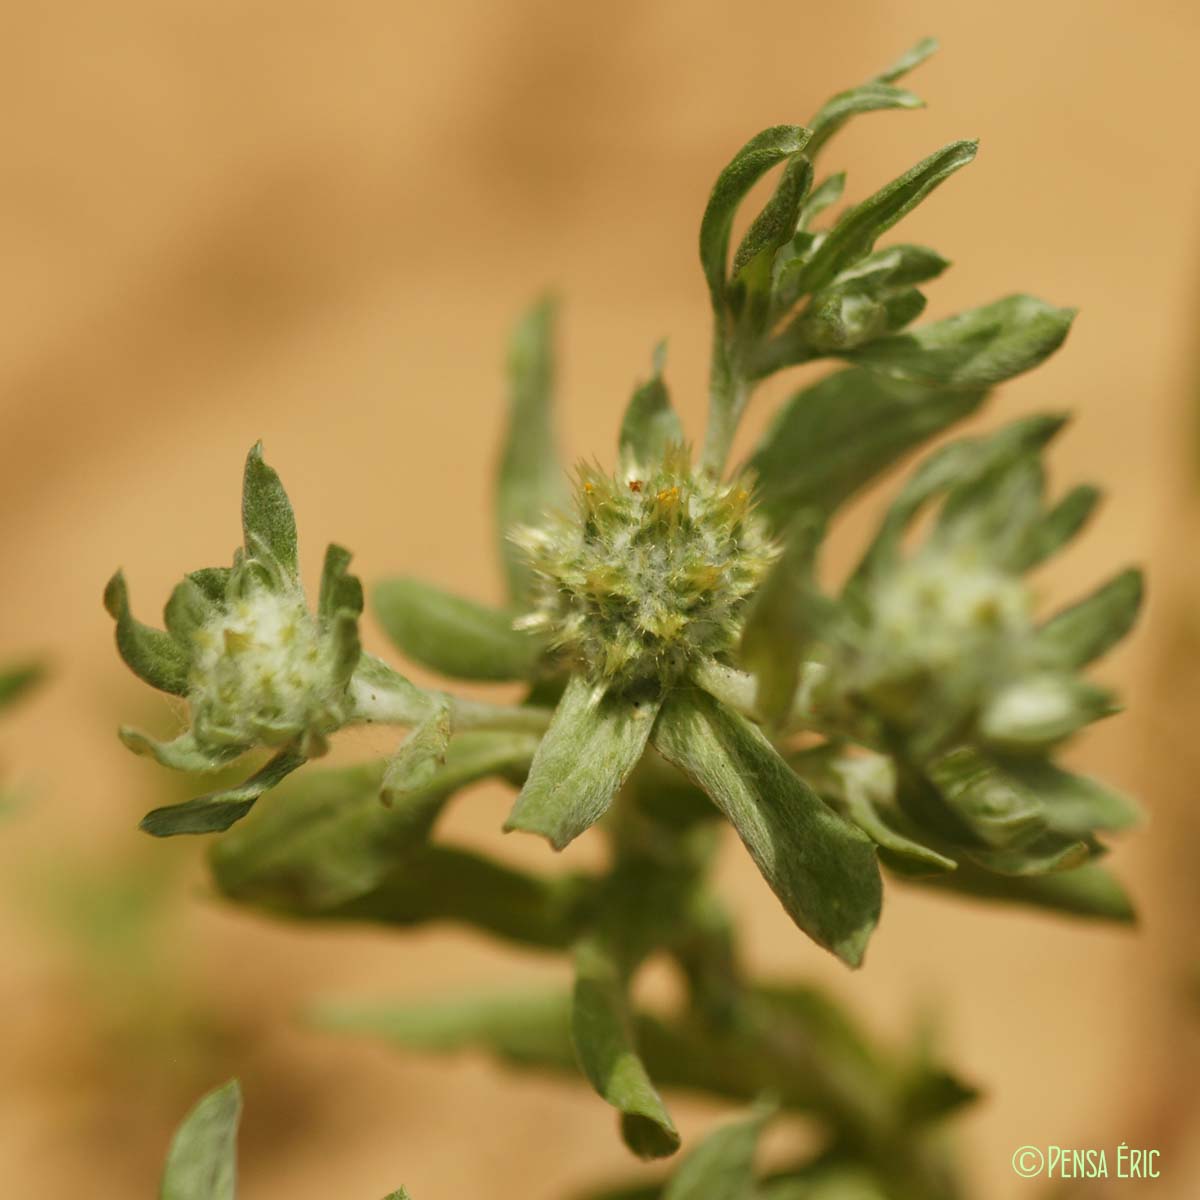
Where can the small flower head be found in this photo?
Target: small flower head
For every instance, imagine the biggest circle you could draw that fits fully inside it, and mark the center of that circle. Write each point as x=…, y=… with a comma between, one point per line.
x=256, y=667
x=649, y=574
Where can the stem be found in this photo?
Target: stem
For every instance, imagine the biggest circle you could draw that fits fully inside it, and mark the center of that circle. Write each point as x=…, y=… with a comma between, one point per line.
x=728, y=392
x=381, y=705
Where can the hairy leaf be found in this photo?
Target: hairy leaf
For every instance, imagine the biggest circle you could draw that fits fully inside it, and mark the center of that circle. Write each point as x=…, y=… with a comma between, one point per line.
x=267, y=517
x=202, y=1161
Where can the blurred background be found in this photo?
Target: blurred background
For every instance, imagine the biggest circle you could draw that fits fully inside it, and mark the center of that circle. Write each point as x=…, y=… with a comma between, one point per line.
x=314, y=224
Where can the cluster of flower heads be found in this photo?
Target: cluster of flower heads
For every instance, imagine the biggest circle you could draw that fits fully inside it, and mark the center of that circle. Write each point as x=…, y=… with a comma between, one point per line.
x=649, y=574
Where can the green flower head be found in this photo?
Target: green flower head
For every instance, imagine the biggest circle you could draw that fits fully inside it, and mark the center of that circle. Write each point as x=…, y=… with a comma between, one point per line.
x=256, y=667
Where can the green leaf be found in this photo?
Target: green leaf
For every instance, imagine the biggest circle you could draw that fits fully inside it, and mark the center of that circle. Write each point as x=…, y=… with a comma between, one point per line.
x=602, y=1032
x=267, y=518
x=17, y=681
x=771, y=229
x=340, y=591
x=1049, y=852
x=218, y=810
x=821, y=867
x=989, y=517
x=150, y=654
x=1057, y=527
x=827, y=193
x=183, y=753
x=594, y=741
x=752, y=161
x=858, y=228
x=1036, y=711
x=908, y=61
x=1082, y=633
x=328, y=838
x=420, y=756
x=445, y=883
x=1074, y=804
x=188, y=610
x=529, y=481
x=530, y=1028
x=952, y=465
x=976, y=348
x=869, y=97
x=783, y=618
x=722, y=1166
x=650, y=424
x=867, y=787
x=834, y=437
x=202, y=1161
x=452, y=635
x=1086, y=891
x=989, y=802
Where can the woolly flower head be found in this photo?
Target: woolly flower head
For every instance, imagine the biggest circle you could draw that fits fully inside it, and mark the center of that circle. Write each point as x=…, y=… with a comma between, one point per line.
x=649, y=574
x=262, y=673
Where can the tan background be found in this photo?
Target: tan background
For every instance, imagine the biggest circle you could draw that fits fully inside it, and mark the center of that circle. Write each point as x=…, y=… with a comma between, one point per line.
x=314, y=223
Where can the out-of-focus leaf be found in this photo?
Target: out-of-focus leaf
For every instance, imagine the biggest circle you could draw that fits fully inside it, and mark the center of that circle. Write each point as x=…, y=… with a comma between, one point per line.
x=421, y=754
x=202, y=1161
x=17, y=681
x=1034, y=712
x=526, y=1029
x=267, y=517
x=1086, y=891
x=821, y=867
x=445, y=883
x=218, y=810
x=151, y=654
x=1082, y=633
x=602, y=1032
x=722, y=1166
x=1049, y=852
x=753, y=160
x=530, y=480
x=329, y=839
x=783, y=618
x=593, y=743
x=452, y=635
x=988, y=801
x=1074, y=804
x=952, y=465
x=857, y=229
x=650, y=424
x=1056, y=528
x=834, y=437
x=976, y=348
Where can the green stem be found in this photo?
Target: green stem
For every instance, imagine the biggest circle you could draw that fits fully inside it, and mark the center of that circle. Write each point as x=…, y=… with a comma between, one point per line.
x=728, y=393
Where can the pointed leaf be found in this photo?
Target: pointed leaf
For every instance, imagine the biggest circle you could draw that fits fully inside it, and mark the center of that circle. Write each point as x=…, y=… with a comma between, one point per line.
x=821, y=867
x=754, y=258
x=150, y=654
x=1057, y=527
x=1084, y=632
x=594, y=741
x=908, y=61
x=267, y=516
x=977, y=348
x=415, y=765
x=650, y=424
x=857, y=229
x=218, y=810
x=1074, y=804
x=1039, y=710
x=753, y=160
x=184, y=753
x=991, y=804
x=340, y=592
x=722, y=1166
x=452, y=635
x=202, y=1161
x=1086, y=891
x=834, y=437
x=869, y=97
x=602, y=1032
x=529, y=482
